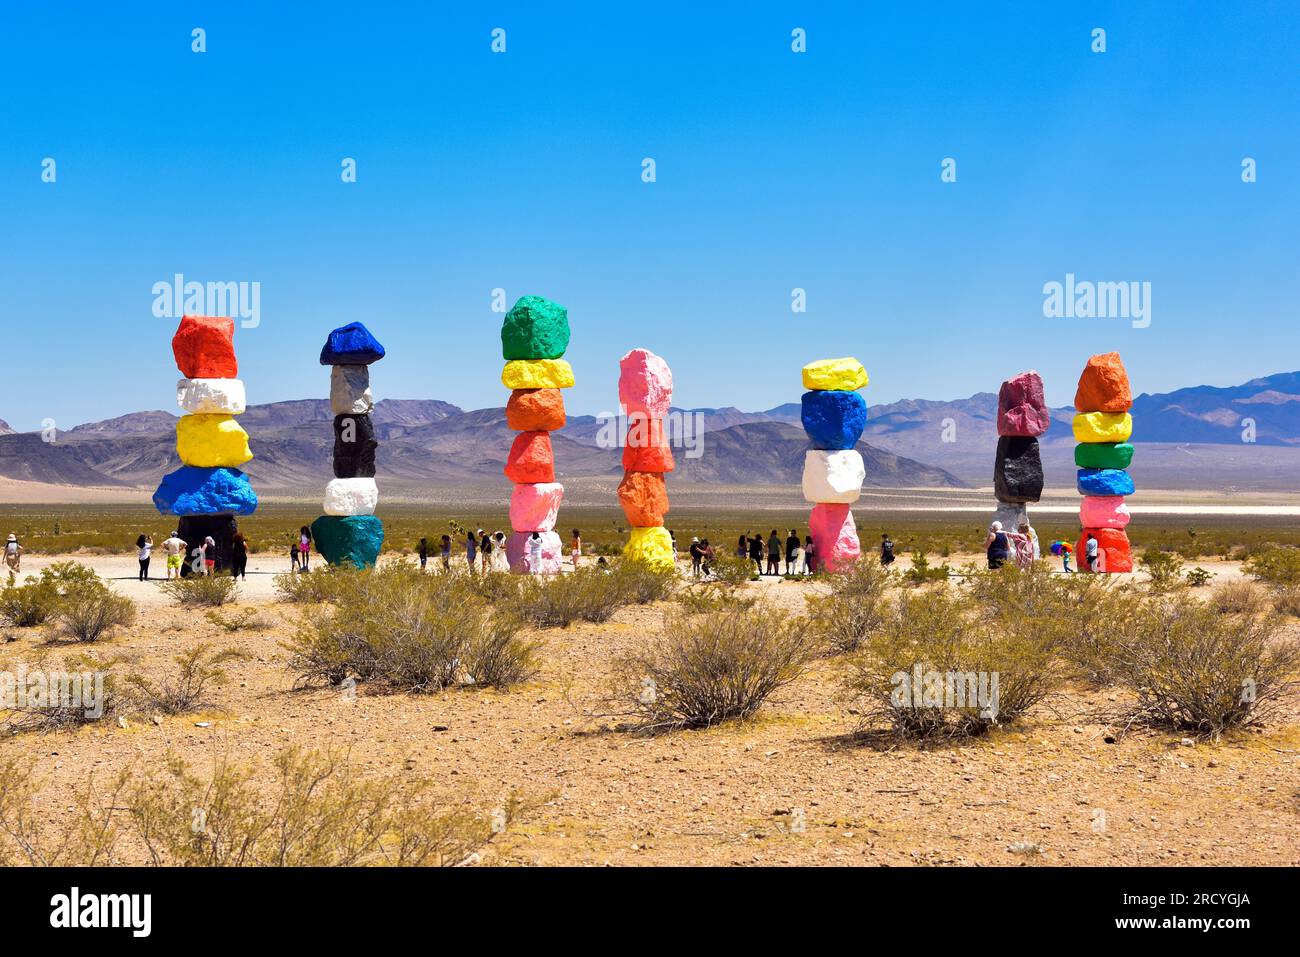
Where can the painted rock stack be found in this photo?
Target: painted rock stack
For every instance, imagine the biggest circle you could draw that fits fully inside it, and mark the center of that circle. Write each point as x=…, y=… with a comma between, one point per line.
x=834, y=415
x=534, y=337
x=208, y=490
x=1018, y=468
x=645, y=391
x=349, y=533
x=1102, y=427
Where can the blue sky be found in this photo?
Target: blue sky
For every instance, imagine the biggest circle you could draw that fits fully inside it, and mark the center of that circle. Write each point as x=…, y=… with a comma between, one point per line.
x=522, y=171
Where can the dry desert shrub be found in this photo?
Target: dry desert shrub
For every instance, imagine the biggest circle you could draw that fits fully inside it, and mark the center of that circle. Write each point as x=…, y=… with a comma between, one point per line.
x=201, y=591
x=1197, y=671
x=318, y=812
x=854, y=607
x=249, y=619
x=1239, y=597
x=588, y=594
x=46, y=696
x=309, y=588
x=90, y=610
x=186, y=688
x=39, y=599
x=713, y=667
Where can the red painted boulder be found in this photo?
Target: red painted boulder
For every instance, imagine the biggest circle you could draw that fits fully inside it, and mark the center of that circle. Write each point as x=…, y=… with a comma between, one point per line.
x=530, y=460
x=204, y=347
x=1022, y=410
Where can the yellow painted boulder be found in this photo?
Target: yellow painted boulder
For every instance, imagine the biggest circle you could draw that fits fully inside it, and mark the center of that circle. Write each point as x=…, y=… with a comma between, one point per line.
x=211, y=441
x=537, y=374
x=1103, y=427
x=654, y=546
x=838, y=375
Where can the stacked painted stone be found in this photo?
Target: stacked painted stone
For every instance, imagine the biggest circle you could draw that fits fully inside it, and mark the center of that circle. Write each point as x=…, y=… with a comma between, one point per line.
x=208, y=490
x=349, y=533
x=534, y=336
x=1102, y=427
x=645, y=391
x=1018, y=468
x=834, y=415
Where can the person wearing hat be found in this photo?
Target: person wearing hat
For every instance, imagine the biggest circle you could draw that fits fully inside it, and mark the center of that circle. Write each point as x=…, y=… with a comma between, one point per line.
x=13, y=554
x=697, y=556
x=174, y=551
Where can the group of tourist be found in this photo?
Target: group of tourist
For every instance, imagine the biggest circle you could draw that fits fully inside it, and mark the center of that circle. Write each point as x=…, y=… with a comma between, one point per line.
x=204, y=557
x=486, y=553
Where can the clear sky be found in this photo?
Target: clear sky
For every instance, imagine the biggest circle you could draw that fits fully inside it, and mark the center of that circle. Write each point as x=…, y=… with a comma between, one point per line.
x=523, y=171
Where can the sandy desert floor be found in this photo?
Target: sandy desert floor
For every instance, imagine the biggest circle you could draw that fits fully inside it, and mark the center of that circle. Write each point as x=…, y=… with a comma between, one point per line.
x=723, y=796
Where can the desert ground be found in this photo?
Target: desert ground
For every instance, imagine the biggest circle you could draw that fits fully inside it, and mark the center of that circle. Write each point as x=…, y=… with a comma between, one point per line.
x=1060, y=788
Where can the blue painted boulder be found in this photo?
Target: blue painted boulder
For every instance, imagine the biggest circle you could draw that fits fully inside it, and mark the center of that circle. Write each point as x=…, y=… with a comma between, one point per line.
x=834, y=419
x=351, y=345
x=348, y=539
x=1104, y=482
x=205, y=491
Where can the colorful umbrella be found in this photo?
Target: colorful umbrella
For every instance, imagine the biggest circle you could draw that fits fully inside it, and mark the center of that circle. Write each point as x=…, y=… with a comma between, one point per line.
x=1061, y=546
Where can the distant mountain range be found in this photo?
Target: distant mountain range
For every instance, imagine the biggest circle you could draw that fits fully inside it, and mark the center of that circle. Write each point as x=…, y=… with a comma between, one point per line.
x=913, y=443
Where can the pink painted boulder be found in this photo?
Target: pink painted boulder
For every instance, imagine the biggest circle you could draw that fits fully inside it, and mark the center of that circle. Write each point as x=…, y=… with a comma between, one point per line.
x=535, y=507
x=1022, y=410
x=645, y=384
x=834, y=535
x=1103, y=511
x=521, y=555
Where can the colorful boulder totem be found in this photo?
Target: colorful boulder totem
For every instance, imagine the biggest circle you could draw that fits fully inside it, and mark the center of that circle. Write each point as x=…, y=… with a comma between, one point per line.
x=1102, y=427
x=833, y=414
x=645, y=391
x=349, y=533
x=1018, y=466
x=534, y=337
x=208, y=490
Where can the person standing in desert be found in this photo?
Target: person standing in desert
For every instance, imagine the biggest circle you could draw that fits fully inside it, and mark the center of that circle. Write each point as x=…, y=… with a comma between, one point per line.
x=174, y=552
x=13, y=554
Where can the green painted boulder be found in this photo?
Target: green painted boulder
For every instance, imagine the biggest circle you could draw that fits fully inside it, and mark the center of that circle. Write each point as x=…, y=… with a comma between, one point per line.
x=348, y=539
x=535, y=328
x=1103, y=455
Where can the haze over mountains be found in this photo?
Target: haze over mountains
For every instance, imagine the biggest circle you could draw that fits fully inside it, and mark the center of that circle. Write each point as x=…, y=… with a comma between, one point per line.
x=1191, y=438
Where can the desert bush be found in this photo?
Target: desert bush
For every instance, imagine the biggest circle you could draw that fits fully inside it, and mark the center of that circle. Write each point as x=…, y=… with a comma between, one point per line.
x=90, y=610
x=75, y=691
x=850, y=613
x=922, y=572
x=1197, y=577
x=556, y=601
x=201, y=591
x=941, y=665
x=641, y=583
x=185, y=689
x=306, y=588
x=731, y=570
x=1286, y=601
x=1165, y=569
x=703, y=597
x=1277, y=567
x=39, y=599
x=412, y=631
x=709, y=668
x=319, y=812
x=1239, y=597
x=493, y=587
x=1197, y=671
x=1101, y=614
x=248, y=619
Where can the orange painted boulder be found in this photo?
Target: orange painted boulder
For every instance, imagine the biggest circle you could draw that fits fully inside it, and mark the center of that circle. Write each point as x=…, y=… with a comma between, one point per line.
x=644, y=498
x=1113, y=552
x=535, y=410
x=530, y=460
x=1103, y=387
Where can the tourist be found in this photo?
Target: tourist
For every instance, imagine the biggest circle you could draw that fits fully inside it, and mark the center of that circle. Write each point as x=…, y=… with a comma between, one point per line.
x=471, y=549
x=1090, y=553
x=792, y=553
x=144, y=549
x=239, y=556
x=756, y=552
x=423, y=551
x=997, y=547
x=445, y=553
x=535, y=552
x=774, y=554
x=575, y=548
x=1031, y=536
x=602, y=564
x=697, y=556
x=1065, y=558
x=13, y=554
x=742, y=547
x=1022, y=547
x=304, y=547
x=886, y=550
x=499, y=561
x=293, y=554
x=706, y=557
x=809, y=555
x=209, y=555
x=174, y=552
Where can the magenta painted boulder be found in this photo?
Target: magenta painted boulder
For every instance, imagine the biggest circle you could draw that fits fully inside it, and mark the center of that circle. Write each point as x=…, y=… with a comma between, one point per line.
x=535, y=507
x=1022, y=410
x=645, y=384
x=834, y=535
x=526, y=560
x=1103, y=511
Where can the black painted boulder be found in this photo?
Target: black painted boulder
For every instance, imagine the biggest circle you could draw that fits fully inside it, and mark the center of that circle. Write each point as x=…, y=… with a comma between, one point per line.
x=193, y=529
x=354, y=446
x=1018, y=470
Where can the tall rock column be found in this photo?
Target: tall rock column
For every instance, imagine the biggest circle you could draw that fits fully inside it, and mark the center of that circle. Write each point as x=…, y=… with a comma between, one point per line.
x=1102, y=427
x=349, y=533
x=645, y=391
x=534, y=337
x=208, y=490
x=1018, y=467
x=834, y=415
